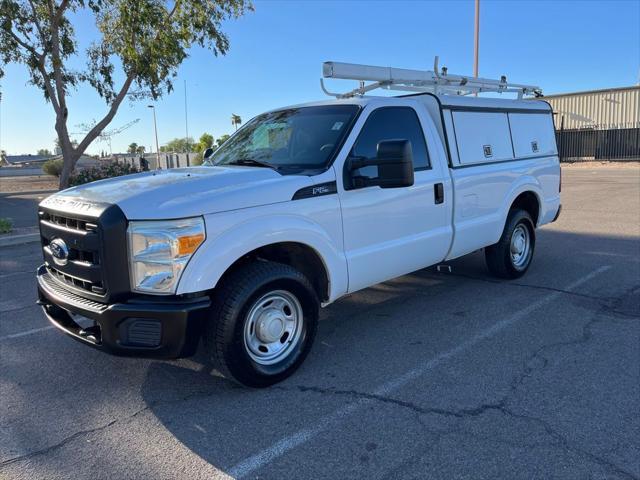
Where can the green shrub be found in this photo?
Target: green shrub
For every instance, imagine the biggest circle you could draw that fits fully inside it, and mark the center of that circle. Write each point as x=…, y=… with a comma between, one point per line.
x=195, y=159
x=53, y=167
x=107, y=170
x=6, y=224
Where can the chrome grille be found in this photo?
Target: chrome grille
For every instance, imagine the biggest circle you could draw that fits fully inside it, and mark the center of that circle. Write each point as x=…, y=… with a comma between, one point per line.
x=71, y=281
x=95, y=264
x=67, y=222
x=49, y=283
x=83, y=270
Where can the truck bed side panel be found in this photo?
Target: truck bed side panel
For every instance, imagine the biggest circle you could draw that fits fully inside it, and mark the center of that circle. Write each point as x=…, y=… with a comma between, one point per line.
x=483, y=195
x=496, y=156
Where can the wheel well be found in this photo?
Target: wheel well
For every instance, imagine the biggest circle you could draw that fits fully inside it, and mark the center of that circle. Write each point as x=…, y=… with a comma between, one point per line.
x=297, y=255
x=528, y=201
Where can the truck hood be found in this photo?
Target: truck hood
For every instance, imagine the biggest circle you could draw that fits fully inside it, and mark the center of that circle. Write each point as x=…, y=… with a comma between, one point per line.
x=185, y=192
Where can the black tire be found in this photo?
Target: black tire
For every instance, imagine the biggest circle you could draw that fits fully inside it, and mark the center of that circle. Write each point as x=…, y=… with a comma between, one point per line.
x=224, y=334
x=498, y=256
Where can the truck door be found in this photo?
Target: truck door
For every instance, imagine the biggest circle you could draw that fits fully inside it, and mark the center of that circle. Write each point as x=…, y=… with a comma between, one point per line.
x=394, y=231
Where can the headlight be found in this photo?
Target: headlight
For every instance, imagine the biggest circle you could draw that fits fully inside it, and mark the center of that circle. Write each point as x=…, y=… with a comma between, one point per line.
x=159, y=252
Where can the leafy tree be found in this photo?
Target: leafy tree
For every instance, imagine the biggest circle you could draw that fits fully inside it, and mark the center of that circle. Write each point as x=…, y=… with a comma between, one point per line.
x=44, y=152
x=206, y=141
x=142, y=42
x=222, y=139
x=140, y=150
x=133, y=148
x=179, y=145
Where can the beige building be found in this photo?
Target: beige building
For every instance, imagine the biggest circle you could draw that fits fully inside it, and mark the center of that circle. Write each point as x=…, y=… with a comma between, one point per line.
x=611, y=108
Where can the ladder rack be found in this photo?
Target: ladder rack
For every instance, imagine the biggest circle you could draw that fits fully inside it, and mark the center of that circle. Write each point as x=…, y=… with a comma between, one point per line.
x=430, y=81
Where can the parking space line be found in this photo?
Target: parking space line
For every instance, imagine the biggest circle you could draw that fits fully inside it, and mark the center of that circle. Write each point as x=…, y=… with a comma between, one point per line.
x=26, y=332
x=290, y=442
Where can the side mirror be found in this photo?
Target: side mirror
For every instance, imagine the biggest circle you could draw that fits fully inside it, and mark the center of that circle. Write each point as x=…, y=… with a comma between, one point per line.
x=394, y=160
x=395, y=164
x=208, y=152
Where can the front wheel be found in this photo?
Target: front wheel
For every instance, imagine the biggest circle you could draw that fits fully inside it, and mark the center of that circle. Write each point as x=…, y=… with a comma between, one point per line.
x=511, y=256
x=263, y=323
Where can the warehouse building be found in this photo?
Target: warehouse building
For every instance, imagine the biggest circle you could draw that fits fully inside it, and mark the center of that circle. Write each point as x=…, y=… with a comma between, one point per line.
x=598, y=124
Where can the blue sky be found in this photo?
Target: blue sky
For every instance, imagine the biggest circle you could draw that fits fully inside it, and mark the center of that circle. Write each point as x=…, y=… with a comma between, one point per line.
x=277, y=51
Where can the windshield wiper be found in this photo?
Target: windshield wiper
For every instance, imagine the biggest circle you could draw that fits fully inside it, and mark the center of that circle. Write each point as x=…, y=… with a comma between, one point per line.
x=249, y=162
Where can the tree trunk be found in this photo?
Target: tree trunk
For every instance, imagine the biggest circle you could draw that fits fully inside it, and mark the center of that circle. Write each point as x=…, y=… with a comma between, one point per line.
x=70, y=159
x=70, y=155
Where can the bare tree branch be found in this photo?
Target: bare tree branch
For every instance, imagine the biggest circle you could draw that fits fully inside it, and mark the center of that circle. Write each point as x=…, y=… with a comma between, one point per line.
x=173, y=10
x=98, y=127
x=55, y=53
x=24, y=44
x=61, y=8
x=37, y=24
x=41, y=67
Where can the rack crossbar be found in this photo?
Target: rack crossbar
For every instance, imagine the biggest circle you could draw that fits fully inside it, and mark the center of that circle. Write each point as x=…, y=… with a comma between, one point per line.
x=417, y=80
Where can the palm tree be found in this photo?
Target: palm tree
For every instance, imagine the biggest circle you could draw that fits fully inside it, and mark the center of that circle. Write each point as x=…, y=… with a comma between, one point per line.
x=235, y=120
x=133, y=148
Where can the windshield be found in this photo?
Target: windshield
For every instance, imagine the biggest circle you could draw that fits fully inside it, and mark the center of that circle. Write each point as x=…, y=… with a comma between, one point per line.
x=297, y=139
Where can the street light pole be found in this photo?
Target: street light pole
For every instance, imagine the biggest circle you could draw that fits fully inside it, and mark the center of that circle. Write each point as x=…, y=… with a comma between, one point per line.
x=186, y=123
x=476, y=41
x=155, y=127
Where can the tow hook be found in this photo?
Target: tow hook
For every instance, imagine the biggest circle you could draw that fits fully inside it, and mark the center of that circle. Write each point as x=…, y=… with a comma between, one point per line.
x=90, y=333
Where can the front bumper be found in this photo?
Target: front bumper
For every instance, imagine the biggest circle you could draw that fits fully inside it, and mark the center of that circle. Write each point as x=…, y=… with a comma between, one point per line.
x=140, y=327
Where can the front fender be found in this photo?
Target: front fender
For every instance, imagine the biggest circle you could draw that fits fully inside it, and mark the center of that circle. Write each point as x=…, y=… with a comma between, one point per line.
x=224, y=245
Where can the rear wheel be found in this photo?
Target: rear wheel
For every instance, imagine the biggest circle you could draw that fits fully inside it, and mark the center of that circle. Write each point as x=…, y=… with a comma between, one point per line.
x=263, y=323
x=511, y=256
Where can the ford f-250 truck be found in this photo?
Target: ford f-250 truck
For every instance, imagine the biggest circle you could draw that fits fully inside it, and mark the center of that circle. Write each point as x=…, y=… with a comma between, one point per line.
x=298, y=208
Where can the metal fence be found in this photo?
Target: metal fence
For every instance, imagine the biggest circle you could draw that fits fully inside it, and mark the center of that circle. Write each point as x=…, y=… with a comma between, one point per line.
x=167, y=160
x=611, y=142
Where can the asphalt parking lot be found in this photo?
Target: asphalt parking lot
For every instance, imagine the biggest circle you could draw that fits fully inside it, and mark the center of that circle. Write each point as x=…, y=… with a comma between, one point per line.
x=432, y=375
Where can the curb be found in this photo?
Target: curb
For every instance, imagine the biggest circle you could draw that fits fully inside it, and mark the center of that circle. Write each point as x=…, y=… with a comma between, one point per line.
x=28, y=192
x=19, y=239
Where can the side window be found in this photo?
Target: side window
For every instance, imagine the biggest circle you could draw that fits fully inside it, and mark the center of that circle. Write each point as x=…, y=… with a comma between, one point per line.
x=391, y=123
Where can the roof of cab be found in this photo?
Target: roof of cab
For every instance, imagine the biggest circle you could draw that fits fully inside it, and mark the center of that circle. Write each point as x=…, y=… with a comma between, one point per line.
x=506, y=103
x=445, y=100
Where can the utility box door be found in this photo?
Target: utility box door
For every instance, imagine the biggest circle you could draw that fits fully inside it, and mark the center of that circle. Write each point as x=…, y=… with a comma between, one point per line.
x=482, y=137
x=533, y=134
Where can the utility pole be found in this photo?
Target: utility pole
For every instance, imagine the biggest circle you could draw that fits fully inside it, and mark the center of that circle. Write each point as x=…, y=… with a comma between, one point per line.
x=1, y=124
x=155, y=127
x=476, y=41
x=186, y=124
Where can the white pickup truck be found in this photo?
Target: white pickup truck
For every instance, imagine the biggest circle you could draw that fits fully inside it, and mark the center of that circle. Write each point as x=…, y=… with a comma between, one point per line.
x=301, y=206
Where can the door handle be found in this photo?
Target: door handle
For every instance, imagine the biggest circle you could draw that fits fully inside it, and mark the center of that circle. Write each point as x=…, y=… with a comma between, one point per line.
x=438, y=193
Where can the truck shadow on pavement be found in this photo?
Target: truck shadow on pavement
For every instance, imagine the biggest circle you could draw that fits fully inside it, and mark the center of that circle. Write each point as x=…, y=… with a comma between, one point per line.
x=363, y=341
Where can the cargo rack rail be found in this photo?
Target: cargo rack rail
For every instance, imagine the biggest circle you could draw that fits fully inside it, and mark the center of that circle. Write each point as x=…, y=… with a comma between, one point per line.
x=437, y=81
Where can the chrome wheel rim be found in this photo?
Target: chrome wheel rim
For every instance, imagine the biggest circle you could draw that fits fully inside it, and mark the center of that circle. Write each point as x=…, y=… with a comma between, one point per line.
x=520, y=246
x=273, y=327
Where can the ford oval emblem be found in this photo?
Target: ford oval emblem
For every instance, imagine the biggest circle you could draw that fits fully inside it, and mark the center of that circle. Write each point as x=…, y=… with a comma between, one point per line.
x=59, y=251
